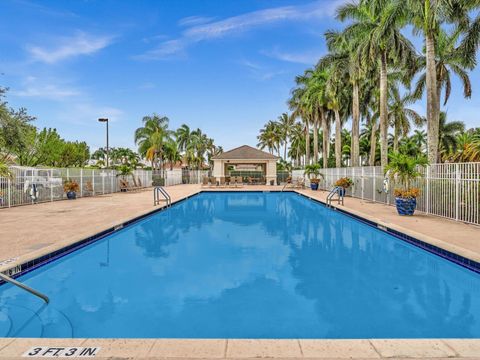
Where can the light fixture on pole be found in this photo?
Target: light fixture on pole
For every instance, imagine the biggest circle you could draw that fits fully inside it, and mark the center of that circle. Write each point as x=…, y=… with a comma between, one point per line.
x=105, y=120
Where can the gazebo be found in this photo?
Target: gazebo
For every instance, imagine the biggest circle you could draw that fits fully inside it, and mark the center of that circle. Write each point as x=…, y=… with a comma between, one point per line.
x=246, y=161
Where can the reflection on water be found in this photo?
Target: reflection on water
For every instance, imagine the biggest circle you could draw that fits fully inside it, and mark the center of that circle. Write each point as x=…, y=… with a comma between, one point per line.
x=247, y=265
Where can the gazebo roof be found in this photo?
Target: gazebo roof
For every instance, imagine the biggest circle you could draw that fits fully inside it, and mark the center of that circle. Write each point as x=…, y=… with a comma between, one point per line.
x=245, y=152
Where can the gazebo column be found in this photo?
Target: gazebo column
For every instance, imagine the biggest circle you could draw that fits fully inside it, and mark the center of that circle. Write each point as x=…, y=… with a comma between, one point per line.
x=271, y=171
x=218, y=168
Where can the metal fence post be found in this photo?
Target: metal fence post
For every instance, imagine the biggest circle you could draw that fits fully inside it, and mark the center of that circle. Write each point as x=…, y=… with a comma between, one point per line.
x=93, y=182
x=103, y=183
x=457, y=191
x=51, y=184
x=373, y=182
x=363, y=183
x=9, y=184
x=81, y=182
x=427, y=191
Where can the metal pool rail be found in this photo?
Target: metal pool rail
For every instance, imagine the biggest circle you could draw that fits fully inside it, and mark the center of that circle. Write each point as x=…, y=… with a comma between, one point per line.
x=24, y=287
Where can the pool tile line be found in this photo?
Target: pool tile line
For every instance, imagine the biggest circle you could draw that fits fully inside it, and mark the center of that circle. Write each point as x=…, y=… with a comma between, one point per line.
x=467, y=263
x=31, y=265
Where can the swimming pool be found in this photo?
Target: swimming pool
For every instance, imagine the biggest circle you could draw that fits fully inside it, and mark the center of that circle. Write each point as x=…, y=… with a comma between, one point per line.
x=246, y=265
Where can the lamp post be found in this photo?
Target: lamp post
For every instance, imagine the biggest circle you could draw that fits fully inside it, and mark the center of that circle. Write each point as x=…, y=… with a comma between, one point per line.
x=105, y=120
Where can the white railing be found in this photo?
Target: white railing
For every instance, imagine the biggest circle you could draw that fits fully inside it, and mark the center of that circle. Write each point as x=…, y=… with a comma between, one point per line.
x=18, y=189
x=447, y=190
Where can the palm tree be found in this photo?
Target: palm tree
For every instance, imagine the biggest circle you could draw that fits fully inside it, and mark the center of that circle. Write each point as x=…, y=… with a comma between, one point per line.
x=419, y=137
x=286, y=123
x=183, y=136
x=172, y=153
x=376, y=32
x=426, y=16
x=151, y=137
x=344, y=58
x=447, y=136
x=401, y=116
x=269, y=137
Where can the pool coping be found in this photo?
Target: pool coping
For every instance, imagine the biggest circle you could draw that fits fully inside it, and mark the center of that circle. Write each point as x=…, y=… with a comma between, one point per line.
x=12, y=348
x=254, y=349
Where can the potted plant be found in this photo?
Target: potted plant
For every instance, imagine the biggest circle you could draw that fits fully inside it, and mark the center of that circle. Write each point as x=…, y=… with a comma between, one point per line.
x=343, y=184
x=313, y=173
x=71, y=187
x=403, y=170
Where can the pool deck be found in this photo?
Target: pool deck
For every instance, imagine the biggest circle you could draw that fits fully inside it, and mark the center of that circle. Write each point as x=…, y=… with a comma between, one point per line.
x=28, y=232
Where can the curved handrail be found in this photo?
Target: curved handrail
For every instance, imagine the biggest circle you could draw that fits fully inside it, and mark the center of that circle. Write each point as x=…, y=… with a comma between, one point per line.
x=24, y=287
x=161, y=190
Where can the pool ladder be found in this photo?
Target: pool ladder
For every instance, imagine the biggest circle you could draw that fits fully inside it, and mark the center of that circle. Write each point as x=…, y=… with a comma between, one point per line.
x=337, y=190
x=159, y=193
x=24, y=287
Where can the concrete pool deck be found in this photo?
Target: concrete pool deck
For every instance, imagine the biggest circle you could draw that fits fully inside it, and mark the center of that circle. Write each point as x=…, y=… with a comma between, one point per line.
x=30, y=231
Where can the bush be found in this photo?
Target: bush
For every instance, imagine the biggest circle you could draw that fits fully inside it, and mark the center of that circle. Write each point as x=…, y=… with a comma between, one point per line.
x=344, y=182
x=70, y=185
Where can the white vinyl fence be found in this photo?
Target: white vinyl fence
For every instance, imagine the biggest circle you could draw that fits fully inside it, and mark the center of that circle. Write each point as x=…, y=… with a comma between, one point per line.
x=448, y=190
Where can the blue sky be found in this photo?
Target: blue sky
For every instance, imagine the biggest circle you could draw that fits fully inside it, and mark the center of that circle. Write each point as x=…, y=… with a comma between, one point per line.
x=226, y=66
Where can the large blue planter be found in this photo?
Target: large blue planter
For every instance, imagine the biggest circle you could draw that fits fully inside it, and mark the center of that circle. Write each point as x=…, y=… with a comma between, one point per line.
x=406, y=206
x=71, y=195
x=341, y=191
x=314, y=186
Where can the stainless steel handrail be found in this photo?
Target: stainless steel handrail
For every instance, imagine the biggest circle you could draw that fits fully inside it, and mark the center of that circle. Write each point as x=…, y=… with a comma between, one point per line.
x=156, y=197
x=331, y=194
x=24, y=287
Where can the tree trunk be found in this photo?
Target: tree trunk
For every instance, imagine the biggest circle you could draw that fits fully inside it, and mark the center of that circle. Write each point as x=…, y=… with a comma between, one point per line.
x=355, y=150
x=315, y=138
x=338, y=139
x=325, y=141
x=373, y=145
x=432, y=100
x=396, y=134
x=307, y=143
x=383, y=111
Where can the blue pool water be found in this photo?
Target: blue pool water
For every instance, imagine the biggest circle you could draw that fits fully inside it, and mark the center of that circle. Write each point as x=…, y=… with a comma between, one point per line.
x=247, y=265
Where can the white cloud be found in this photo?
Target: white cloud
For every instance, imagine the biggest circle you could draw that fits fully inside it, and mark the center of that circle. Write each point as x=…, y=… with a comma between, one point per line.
x=260, y=72
x=45, y=89
x=79, y=44
x=194, y=20
x=238, y=24
x=308, y=57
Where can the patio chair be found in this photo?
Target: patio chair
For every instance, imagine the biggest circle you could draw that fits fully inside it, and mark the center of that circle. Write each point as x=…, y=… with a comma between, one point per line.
x=123, y=185
x=213, y=181
x=239, y=181
x=223, y=182
x=205, y=181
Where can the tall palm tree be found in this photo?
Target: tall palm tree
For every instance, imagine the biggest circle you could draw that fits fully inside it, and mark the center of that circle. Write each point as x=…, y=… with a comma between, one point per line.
x=285, y=122
x=427, y=16
x=151, y=137
x=449, y=60
x=376, y=29
x=343, y=56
